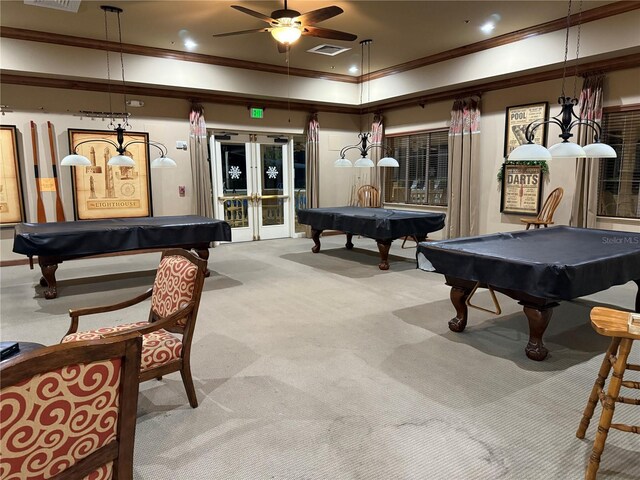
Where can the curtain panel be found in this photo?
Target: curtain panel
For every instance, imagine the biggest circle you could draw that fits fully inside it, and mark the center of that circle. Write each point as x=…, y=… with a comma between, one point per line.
x=202, y=198
x=377, y=136
x=584, y=208
x=313, y=162
x=464, y=168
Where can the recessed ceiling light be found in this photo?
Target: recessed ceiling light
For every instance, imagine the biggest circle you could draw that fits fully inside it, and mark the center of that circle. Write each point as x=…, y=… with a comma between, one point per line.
x=353, y=69
x=189, y=44
x=488, y=27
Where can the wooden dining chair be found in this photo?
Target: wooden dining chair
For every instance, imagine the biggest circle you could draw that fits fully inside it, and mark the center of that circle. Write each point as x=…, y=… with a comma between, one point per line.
x=175, y=298
x=368, y=196
x=545, y=217
x=69, y=411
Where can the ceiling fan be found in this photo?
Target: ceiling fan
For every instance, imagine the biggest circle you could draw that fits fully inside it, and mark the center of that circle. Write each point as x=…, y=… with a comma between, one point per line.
x=286, y=25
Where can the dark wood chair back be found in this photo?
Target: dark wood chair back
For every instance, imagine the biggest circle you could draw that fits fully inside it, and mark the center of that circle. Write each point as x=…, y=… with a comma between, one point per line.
x=82, y=397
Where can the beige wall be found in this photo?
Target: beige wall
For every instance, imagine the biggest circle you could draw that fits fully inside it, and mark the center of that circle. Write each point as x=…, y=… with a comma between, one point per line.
x=166, y=121
x=621, y=88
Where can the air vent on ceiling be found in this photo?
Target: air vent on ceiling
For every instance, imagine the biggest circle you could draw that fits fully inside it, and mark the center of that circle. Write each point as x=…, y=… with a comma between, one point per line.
x=66, y=5
x=331, y=50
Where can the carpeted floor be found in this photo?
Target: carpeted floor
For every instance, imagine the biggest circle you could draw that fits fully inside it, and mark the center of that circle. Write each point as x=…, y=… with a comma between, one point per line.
x=321, y=366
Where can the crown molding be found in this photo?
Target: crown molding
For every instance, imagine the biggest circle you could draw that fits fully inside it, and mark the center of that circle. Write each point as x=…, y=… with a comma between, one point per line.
x=587, y=16
x=599, y=66
x=189, y=95
x=82, y=42
x=559, y=24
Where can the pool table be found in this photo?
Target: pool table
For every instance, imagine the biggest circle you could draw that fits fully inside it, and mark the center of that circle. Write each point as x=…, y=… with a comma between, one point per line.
x=383, y=225
x=538, y=268
x=56, y=242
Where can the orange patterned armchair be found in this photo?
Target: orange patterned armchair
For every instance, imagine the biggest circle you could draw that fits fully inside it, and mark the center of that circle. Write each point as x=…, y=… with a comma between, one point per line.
x=69, y=411
x=175, y=297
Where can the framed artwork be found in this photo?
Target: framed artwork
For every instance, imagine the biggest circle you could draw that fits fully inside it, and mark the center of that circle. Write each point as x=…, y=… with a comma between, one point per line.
x=11, y=201
x=105, y=191
x=517, y=119
x=521, y=189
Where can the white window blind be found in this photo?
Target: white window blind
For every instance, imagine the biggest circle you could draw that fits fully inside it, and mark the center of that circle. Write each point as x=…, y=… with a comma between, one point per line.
x=619, y=178
x=421, y=178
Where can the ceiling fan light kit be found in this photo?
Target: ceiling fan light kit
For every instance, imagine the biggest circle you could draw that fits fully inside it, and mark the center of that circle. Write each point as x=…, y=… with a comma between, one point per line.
x=286, y=34
x=287, y=26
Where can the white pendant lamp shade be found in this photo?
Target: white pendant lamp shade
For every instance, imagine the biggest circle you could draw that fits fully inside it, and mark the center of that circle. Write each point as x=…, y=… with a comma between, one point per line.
x=388, y=162
x=599, y=150
x=163, y=162
x=342, y=162
x=529, y=151
x=567, y=150
x=75, y=160
x=364, y=162
x=121, y=161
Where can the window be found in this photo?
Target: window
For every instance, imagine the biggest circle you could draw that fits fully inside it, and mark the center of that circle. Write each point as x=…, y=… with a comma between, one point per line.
x=619, y=178
x=422, y=176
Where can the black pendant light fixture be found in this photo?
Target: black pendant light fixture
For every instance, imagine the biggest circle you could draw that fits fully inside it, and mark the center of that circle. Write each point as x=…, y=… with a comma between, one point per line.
x=121, y=159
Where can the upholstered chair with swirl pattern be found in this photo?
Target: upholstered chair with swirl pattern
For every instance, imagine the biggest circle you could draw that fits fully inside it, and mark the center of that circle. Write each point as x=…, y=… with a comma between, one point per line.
x=168, y=332
x=69, y=411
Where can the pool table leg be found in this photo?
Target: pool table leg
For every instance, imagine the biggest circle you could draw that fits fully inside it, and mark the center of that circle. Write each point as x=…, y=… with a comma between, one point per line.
x=315, y=235
x=383, y=248
x=48, y=280
x=349, y=244
x=458, y=296
x=538, y=322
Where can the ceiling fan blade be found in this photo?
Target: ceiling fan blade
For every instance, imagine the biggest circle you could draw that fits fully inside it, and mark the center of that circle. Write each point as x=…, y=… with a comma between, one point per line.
x=242, y=32
x=319, y=15
x=327, y=33
x=253, y=13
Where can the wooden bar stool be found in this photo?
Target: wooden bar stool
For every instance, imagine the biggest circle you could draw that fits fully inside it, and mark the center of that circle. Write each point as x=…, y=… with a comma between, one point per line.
x=610, y=323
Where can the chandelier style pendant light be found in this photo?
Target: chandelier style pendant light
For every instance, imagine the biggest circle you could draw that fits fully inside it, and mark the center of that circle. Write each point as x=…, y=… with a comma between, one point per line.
x=121, y=159
x=364, y=146
x=566, y=120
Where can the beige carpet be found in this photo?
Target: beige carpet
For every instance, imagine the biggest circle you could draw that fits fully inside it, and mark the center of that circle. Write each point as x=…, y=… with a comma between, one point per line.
x=321, y=366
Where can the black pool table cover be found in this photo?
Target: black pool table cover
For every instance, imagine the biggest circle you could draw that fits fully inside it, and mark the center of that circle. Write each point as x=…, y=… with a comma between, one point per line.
x=377, y=223
x=92, y=237
x=557, y=263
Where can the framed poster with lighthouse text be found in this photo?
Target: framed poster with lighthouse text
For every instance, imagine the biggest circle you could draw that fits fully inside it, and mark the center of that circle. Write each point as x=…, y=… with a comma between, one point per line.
x=521, y=189
x=104, y=191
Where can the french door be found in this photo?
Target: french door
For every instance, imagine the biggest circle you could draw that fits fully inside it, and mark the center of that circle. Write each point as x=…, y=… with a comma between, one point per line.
x=251, y=182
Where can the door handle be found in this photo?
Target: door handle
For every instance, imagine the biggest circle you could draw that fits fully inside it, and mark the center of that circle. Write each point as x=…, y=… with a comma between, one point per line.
x=234, y=197
x=270, y=197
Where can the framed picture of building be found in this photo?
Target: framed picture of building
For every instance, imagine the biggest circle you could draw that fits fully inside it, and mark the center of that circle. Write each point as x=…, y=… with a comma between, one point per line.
x=517, y=119
x=11, y=201
x=104, y=191
x=521, y=189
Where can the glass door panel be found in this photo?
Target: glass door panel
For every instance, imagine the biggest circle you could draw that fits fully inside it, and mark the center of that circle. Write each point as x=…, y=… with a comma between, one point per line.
x=251, y=179
x=274, y=189
x=233, y=184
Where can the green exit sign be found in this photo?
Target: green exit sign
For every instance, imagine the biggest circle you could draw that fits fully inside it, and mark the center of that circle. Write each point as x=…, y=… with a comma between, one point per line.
x=257, y=112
